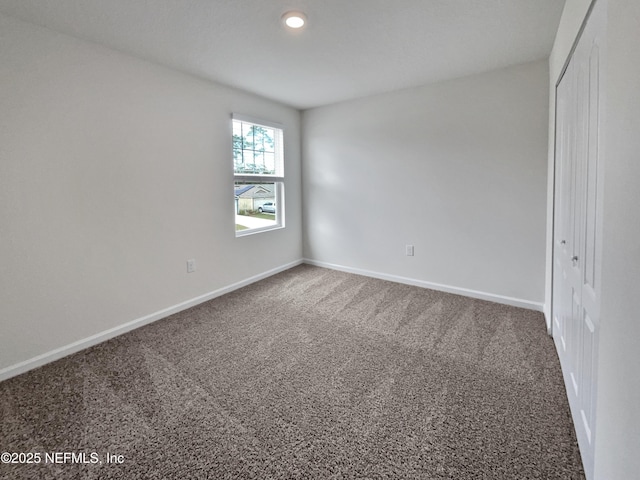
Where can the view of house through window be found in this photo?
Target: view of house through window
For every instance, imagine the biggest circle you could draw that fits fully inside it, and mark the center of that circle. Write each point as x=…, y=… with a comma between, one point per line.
x=259, y=176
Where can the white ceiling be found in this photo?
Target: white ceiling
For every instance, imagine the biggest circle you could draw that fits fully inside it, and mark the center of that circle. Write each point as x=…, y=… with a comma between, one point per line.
x=350, y=48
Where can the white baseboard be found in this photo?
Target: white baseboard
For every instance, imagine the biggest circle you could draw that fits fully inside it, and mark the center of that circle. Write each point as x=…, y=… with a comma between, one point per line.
x=491, y=297
x=58, y=353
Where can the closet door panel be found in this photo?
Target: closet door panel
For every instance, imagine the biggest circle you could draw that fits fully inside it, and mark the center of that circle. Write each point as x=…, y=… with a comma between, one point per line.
x=578, y=227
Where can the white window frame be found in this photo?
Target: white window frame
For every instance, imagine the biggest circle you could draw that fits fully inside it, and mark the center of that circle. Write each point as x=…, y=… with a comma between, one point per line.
x=277, y=179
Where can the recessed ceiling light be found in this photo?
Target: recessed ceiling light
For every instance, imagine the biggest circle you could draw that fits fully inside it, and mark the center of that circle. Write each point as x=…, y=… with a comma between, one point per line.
x=294, y=19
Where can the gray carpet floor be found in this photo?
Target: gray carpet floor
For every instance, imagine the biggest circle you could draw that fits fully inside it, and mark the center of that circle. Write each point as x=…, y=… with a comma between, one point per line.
x=309, y=374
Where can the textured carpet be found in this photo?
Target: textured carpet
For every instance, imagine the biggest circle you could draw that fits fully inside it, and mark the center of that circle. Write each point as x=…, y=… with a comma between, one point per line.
x=311, y=373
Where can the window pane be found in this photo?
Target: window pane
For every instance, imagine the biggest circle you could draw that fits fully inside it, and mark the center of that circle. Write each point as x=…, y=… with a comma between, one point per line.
x=270, y=143
x=238, y=161
x=255, y=205
x=257, y=149
x=269, y=163
x=247, y=136
x=258, y=158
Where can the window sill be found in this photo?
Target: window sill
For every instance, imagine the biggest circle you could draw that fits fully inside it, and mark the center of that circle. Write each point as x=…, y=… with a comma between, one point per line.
x=252, y=231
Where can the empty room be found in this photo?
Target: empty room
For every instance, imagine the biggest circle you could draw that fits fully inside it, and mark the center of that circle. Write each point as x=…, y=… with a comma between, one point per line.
x=319, y=239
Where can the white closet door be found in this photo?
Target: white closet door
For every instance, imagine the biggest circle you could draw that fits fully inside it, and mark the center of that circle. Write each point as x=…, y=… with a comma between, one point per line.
x=577, y=227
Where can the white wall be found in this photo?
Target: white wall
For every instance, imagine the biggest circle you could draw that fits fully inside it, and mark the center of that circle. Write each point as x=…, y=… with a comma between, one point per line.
x=113, y=172
x=457, y=169
x=618, y=418
x=571, y=20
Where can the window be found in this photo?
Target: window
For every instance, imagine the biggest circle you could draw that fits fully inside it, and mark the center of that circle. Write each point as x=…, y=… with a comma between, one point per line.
x=258, y=167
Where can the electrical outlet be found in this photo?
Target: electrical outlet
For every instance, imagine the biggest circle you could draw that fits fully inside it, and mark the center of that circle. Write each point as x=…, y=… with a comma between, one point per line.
x=191, y=265
x=409, y=250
